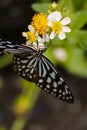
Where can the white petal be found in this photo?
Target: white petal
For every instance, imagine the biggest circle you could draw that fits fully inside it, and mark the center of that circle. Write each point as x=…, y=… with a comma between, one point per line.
x=52, y=35
x=39, y=39
x=66, y=21
x=44, y=38
x=62, y=35
x=54, y=16
x=47, y=38
x=41, y=44
x=28, y=43
x=31, y=28
x=66, y=29
x=36, y=34
x=35, y=44
x=50, y=24
x=24, y=34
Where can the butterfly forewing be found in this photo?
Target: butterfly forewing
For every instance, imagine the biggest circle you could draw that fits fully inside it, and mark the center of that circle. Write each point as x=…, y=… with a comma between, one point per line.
x=50, y=81
x=7, y=47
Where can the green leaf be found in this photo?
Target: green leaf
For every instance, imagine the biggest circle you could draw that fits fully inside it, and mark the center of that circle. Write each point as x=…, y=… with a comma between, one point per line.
x=66, y=3
x=40, y=7
x=82, y=38
x=77, y=64
x=85, y=5
x=78, y=5
x=80, y=19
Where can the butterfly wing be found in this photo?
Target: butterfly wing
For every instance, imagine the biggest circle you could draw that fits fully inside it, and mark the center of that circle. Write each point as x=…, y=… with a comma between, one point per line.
x=7, y=47
x=50, y=81
x=26, y=65
x=40, y=70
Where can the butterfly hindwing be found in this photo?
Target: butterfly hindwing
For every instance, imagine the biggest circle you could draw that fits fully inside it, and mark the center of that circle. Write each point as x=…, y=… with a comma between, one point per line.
x=50, y=81
x=26, y=65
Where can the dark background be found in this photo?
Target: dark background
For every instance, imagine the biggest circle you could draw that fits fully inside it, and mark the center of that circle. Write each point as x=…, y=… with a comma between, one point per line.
x=48, y=113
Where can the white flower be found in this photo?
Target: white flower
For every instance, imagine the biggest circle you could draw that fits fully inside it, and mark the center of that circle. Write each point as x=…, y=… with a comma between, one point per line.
x=58, y=25
x=31, y=36
x=34, y=39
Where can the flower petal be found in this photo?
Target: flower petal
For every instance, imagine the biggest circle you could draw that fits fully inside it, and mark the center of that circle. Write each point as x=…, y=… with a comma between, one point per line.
x=46, y=38
x=28, y=43
x=40, y=44
x=66, y=29
x=62, y=35
x=52, y=35
x=66, y=21
x=54, y=16
x=49, y=23
x=39, y=39
x=34, y=44
x=24, y=34
x=31, y=28
x=36, y=34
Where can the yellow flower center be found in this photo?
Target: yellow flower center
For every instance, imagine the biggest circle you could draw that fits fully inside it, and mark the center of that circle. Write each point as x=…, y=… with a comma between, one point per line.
x=31, y=36
x=57, y=27
x=39, y=21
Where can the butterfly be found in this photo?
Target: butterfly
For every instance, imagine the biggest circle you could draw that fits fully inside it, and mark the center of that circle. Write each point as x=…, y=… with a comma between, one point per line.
x=30, y=63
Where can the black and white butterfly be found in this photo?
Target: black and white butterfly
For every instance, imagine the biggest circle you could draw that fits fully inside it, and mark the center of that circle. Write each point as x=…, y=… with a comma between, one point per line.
x=30, y=64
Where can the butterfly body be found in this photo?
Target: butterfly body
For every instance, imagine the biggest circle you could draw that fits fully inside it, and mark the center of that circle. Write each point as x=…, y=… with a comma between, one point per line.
x=32, y=65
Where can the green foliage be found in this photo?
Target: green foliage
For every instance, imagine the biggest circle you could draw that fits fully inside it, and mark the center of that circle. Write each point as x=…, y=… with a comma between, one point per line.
x=2, y=128
x=5, y=60
x=68, y=5
x=40, y=7
x=27, y=99
x=80, y=19
x=82, y=36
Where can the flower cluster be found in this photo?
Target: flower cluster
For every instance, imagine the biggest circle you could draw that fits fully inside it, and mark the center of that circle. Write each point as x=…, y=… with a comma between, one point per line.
x=44, y=28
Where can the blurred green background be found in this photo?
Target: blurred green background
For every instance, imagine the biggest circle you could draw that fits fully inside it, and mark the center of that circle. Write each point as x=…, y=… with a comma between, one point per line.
x=22, y=105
